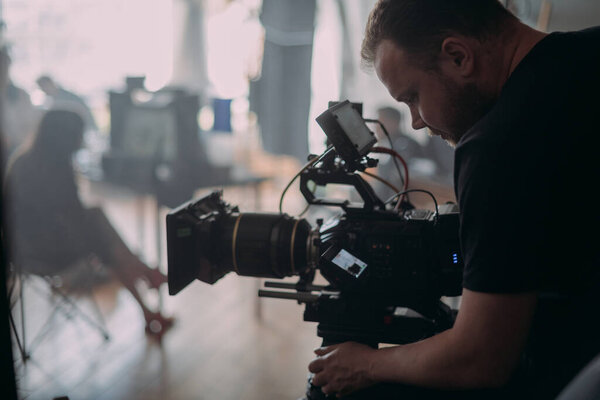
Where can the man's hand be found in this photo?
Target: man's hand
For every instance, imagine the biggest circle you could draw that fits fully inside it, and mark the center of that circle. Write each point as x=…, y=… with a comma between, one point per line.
x=342, y=368
x=481, y=350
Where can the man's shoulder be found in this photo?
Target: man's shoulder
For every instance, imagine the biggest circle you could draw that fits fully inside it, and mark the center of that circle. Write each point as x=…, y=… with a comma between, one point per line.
x=589, y=35
x=558, y=72
x=568, y=51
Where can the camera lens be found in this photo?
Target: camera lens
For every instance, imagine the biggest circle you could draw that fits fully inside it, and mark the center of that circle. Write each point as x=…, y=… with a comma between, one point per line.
x=264, y=245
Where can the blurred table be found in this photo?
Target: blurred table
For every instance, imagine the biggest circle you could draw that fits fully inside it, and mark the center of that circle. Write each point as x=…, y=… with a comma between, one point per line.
x=166, y=188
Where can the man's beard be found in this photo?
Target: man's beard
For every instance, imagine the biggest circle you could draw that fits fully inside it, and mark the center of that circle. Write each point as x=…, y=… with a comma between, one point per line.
x=466, y=105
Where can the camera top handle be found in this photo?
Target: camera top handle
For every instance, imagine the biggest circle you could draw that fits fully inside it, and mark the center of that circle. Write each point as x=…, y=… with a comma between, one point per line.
x=322, y=177
x=351, y=141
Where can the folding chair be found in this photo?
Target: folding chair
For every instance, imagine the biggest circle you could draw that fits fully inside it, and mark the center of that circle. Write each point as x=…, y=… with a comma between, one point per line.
x=60, y=297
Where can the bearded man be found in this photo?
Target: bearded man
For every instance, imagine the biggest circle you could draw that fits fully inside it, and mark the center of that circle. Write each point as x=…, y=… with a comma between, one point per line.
x=519, y=105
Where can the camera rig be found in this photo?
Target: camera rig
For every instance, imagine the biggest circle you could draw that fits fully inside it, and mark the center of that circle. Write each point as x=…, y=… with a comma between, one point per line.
x=387, y=267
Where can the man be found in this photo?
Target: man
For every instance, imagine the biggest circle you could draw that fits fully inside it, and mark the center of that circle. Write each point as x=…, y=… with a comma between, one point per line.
x=60, y=98
x=519, y=106
x=19, y=116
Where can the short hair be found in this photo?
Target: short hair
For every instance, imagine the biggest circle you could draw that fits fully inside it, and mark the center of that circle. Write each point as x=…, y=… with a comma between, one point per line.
x=420, y=26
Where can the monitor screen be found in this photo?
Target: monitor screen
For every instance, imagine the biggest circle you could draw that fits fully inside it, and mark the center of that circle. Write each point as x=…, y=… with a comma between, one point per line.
x=150, y=133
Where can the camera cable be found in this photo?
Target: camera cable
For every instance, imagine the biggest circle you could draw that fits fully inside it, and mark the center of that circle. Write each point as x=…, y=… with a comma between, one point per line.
x=387, y=134
x=437, y=211
x=309, y=164
x=382, y=180
x=395, y=156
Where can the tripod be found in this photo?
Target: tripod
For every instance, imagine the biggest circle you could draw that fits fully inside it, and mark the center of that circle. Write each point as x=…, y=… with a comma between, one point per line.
x=342, y=319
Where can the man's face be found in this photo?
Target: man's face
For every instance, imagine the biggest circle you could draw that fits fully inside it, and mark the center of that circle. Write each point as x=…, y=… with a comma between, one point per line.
x=436, y=101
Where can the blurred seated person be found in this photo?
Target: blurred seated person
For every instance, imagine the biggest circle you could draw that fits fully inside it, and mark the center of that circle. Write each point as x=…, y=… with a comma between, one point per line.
x=60, y=98
x=19, y=116
x=52, y=230
x=411, y=151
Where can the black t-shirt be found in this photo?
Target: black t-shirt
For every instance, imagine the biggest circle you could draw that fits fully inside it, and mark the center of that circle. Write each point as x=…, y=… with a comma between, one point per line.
x=525, y=179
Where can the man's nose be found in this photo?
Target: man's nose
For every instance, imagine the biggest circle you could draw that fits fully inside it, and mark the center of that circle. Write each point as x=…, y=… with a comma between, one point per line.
x=417, y=122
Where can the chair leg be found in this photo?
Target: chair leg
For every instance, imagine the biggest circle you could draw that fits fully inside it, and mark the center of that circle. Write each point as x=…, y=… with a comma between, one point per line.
x=63, y=304
x=21, y=346
x=82, y=314
x=17, y=279
x=22, y=306
x=25, y=349
x=100, y=316
x=43, y=330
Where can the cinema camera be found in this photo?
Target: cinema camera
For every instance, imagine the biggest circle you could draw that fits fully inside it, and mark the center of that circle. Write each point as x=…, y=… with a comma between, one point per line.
x=387, y=266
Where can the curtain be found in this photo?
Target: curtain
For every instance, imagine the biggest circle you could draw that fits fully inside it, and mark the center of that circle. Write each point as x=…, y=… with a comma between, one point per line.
x=281, y=96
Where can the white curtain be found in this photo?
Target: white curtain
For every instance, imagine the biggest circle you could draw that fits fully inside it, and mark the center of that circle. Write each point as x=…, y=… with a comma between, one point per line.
x=189, y=59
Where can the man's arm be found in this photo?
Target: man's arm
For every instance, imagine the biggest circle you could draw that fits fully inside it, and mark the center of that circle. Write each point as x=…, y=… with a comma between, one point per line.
x=481, y=350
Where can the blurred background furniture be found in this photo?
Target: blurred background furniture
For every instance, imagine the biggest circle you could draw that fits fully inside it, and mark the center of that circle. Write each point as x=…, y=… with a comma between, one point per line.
x=59, y=290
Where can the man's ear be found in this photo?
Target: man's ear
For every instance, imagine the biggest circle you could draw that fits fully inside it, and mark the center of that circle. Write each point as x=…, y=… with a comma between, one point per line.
x=457, y=57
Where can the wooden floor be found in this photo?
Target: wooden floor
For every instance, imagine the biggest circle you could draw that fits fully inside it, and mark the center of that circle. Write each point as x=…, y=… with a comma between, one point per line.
x=219, y=349
x=226, y=343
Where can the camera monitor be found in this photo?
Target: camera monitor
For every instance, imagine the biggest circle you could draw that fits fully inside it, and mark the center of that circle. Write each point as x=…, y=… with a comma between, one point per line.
x=150, y=132
x=347, y=131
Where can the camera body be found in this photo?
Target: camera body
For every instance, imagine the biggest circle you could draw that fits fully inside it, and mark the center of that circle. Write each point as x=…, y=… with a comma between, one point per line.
x=387, y=267
x=375, y=257
x=387, y=257
x=408, y=259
